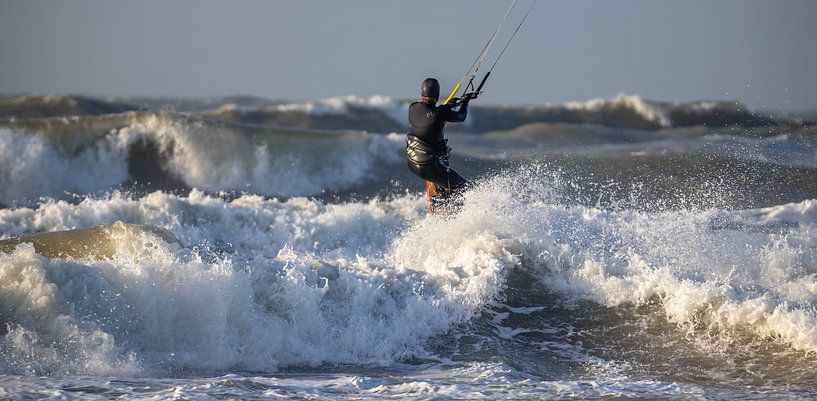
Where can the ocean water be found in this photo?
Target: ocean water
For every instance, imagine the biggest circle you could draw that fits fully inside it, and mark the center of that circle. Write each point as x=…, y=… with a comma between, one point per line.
x=245, y=248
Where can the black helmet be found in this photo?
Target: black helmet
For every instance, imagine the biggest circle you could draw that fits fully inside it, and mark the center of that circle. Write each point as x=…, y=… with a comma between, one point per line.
x=430, y=88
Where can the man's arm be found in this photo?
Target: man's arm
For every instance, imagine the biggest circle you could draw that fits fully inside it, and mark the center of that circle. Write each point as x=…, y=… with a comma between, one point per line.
x=457, y=115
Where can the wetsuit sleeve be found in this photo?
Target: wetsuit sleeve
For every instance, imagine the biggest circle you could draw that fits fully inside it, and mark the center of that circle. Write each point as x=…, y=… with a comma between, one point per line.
x=455, y=116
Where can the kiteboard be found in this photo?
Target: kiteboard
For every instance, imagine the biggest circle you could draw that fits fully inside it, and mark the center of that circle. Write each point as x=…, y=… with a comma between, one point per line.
x=439, y=200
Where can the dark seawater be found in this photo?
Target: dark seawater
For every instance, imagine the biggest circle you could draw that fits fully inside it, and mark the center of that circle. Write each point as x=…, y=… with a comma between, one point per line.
x=244, y=248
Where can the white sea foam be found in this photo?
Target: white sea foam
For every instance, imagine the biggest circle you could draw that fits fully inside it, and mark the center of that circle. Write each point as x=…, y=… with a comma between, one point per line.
x=202, y=155
x=756, y=272
x=649, y=112
x=342, y=104
x=305, y=283
x=31, y=166
x=742, y=274
x=217, y=159
x=261, y=283
x=474, y=381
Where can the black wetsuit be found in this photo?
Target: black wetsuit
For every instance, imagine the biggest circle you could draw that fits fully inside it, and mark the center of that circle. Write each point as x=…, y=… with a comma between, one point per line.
x=426, y=144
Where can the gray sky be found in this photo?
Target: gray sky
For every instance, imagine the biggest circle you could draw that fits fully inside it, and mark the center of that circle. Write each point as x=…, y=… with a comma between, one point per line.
x=761, y=52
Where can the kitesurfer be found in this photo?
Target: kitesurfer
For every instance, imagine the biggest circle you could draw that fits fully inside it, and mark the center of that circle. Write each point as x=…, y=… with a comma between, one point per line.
x=427, y=149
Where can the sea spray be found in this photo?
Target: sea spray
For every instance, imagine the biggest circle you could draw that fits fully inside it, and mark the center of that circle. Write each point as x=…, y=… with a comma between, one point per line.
x=295, y=283
x=759, y=273
x=190, y=152
x=314, y=301
x=251, y=248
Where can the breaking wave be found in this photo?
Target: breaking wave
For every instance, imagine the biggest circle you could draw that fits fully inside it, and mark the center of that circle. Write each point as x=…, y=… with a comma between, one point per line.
x=85, y=155
x=163, y=236
x=383, y=114
x=57, y=147
x=301, y=282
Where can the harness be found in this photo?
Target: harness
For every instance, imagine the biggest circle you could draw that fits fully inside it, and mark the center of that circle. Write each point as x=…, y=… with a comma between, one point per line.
x=423, y=153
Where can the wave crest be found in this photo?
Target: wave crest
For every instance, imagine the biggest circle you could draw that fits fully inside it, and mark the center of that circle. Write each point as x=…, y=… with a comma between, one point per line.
x=101, y=153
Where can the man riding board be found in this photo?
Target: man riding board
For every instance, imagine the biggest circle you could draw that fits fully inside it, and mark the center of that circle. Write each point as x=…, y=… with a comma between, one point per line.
x=427, y=149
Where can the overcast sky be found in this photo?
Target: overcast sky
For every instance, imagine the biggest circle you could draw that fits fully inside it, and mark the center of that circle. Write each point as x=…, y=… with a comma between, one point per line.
x=761, y=52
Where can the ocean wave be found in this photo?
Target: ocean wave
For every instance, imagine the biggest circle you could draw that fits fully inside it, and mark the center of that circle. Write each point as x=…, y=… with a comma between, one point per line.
x=39, y=106
x=783, y=146
x=711, y=271
x=383, y=114
x=651, y=113
x=374, y=114
x=757, y=275
x=68, y=158
x=32, y=166
x=300, y=283
x=633, y=112
x=102, y=241
x=260, y=283
x=55, y=156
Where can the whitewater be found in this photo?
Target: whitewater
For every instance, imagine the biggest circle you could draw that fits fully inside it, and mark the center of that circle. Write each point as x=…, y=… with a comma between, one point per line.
x=248, y=248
